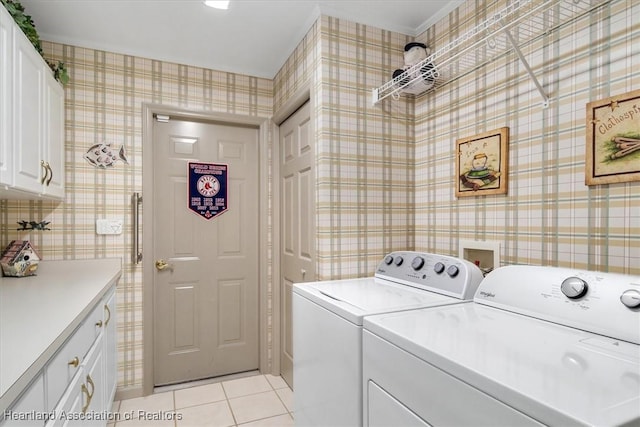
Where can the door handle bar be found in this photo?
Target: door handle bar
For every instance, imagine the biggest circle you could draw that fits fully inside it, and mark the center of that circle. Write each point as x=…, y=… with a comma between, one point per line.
x=136, y=201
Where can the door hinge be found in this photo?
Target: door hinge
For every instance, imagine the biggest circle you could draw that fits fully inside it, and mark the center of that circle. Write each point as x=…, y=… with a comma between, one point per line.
x=162, y=118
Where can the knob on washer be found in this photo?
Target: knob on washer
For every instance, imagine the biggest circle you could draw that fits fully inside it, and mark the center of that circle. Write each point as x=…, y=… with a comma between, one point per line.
x=399, y=261
x=438, y=267
x=388, y=259
x=574, y=287
x=453, y=270
x=630, y=298
x=417, y=263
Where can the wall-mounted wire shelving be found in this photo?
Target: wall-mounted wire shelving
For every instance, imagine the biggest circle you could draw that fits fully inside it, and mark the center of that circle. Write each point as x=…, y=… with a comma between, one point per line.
x=521, y=22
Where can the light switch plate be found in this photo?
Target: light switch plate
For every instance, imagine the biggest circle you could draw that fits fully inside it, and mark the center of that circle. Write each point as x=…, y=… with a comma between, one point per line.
x=109, y=226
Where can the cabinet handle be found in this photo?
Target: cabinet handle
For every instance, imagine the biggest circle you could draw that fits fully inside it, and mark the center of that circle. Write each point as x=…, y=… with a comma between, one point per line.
x=99, y=323
x=74, y=362
x=46, y=171
x=86, y=392
x=93, y=386
x=50, y=174
x=106, y=308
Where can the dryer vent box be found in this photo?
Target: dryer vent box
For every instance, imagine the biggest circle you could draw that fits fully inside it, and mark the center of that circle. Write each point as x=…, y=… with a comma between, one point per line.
x=484, y=254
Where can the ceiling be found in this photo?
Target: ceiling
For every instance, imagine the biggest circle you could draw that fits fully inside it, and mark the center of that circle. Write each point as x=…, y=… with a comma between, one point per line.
x=253, y=37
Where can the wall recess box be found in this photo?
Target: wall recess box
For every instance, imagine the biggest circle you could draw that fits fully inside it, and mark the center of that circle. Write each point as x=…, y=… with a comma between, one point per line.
x=484, y=254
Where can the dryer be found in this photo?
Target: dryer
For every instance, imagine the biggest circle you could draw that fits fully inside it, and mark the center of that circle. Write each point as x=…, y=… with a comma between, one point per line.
x=327, y=327
x=537, y=346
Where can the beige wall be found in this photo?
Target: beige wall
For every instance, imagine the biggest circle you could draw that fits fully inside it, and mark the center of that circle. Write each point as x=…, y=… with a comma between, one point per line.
x=549, y=215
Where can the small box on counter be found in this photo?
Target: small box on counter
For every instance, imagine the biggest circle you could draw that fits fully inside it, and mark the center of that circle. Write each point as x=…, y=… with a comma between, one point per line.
x=19, y=259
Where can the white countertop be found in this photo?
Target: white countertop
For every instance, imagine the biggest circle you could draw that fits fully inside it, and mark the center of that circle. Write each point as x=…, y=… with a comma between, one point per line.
x=38, y=313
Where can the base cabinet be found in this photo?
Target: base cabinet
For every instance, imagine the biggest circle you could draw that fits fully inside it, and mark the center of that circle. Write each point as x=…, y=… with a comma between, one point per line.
x=84, y=403
x=30, y=408
x=77, y=385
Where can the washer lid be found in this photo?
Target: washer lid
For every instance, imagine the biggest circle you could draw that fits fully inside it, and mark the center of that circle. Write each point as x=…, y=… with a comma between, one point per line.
x=354, y=298
x=555, y=374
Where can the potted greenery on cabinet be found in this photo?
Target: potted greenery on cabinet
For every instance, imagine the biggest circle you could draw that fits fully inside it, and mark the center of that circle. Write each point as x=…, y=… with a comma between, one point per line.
x=24, y=21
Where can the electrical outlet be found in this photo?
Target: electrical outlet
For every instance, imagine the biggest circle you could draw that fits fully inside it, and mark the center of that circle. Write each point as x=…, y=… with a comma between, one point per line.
x=109, y=226
x=485, y=255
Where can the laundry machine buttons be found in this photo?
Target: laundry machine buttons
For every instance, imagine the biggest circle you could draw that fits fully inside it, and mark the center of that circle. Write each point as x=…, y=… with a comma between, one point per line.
x=417, y=263
x=438, y=267
x=399, y=261
x=453, y=270
x=574, y=287
x=630, y=298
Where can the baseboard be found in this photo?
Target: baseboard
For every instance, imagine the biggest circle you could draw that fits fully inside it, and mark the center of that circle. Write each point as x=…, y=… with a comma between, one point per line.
x=123, y=393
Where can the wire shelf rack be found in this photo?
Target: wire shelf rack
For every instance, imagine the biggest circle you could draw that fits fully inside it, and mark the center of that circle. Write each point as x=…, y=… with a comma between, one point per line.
x=518, y=24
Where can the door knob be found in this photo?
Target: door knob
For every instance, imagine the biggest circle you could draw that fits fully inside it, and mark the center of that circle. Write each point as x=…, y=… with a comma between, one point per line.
x=161, y=264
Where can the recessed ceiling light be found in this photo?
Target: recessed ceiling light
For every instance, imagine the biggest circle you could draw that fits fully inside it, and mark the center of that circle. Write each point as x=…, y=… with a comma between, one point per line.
x=218, y=4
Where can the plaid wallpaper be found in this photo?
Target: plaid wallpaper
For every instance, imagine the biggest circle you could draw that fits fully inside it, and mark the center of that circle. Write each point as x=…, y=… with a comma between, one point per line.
x=549, y=216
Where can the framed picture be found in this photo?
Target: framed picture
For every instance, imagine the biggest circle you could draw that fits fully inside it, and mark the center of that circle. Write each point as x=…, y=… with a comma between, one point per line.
x=481, y=164
x=613, y=140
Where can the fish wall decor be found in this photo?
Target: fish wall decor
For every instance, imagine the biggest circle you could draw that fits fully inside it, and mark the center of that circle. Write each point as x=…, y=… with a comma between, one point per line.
x=104, y=156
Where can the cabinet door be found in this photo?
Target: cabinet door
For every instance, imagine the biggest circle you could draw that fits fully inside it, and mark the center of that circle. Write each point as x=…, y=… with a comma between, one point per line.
x=71, y=403
x=94, y=367
x=28, y=105
x=84, y=398
x=31, y=402
x=53, y=150
x=110, y=349
x=6, y=71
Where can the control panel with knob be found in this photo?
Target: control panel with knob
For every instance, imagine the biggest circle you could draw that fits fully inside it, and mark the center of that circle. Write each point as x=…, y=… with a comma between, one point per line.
x=438, y=273
x=606, y=304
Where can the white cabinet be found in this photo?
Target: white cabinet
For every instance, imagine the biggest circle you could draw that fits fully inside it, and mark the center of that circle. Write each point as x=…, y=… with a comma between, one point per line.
x=32, y=142
x=6, y=59
x=29, y=410
x=91, y=390
x=77, y=384
x=110, y=349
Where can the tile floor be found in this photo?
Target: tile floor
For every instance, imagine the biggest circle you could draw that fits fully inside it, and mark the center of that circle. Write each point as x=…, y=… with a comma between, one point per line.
x=260, y=400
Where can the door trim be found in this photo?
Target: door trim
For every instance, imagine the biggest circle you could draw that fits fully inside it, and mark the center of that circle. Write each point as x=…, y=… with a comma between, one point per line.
x=296, y=101
x=263, y=125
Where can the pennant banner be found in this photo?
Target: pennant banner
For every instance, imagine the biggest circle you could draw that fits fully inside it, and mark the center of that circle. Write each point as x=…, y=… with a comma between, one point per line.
x=207, y=189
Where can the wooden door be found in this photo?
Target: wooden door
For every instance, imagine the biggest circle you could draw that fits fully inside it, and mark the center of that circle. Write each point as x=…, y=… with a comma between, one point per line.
x=206, y=299
x=297, y=211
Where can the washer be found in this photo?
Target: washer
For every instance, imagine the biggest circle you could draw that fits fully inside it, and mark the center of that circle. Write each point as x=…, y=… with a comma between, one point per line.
x=327, y=327
x=537, y=346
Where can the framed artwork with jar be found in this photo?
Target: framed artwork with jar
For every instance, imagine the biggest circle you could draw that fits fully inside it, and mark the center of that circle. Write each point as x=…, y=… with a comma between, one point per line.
x=481, y=163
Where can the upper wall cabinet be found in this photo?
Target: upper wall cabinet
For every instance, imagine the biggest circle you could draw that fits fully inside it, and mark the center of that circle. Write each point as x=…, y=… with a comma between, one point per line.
x=31, y=119
x=508, y=30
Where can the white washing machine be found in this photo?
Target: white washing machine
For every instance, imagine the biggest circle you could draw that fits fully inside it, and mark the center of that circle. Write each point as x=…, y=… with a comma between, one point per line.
x=327, y=327
x=537, y=346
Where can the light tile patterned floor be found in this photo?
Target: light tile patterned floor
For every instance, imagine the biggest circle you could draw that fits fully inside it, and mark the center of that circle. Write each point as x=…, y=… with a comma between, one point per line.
x=260, y=400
